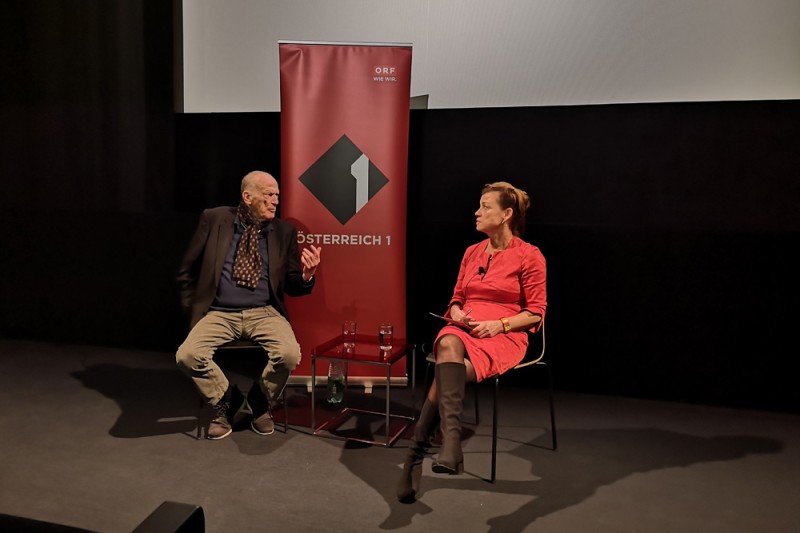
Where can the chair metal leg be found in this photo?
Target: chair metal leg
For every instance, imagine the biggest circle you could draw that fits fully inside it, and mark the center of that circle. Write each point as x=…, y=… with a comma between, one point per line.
x=495, y=395
x=477, y=406
x=552, y=407
x=494, y=429
x=285, y=410
x=200, y=418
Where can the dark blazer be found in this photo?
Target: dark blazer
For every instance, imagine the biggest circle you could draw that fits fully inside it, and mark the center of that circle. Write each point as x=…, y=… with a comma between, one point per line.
x=201, y=267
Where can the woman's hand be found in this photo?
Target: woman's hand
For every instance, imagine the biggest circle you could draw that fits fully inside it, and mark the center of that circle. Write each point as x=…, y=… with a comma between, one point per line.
x=485, y=328
x=457, y=314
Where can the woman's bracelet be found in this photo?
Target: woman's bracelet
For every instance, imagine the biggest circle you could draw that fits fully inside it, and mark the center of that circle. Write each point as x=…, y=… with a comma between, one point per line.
x=506, y=325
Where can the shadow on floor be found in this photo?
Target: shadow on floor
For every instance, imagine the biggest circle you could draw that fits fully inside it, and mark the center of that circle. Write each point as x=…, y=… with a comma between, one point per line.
x=152, y=401
x=586, y=461
x=157, y=401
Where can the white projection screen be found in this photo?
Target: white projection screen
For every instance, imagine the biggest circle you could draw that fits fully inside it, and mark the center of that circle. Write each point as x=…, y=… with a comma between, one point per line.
x=504, y=53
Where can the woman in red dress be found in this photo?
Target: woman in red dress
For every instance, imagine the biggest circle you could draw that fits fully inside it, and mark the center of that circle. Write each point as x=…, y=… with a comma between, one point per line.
x=500, y=294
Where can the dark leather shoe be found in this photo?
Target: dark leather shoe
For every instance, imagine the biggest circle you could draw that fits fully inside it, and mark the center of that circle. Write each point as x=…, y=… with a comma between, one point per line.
x=220, y=427
x=263, y=425
x=262, y=422
x=224, y=411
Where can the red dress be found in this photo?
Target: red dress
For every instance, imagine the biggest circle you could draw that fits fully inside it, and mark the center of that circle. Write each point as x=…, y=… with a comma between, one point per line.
x=495, y=286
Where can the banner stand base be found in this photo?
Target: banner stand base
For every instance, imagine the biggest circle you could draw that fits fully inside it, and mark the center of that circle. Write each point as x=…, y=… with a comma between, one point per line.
x=352, y=381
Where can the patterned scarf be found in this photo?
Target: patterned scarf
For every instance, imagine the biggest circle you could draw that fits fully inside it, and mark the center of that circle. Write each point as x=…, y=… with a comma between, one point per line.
x=247, y=262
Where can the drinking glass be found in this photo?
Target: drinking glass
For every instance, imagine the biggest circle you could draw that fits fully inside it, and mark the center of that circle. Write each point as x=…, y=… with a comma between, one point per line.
x=385, y=334
x=349, y=334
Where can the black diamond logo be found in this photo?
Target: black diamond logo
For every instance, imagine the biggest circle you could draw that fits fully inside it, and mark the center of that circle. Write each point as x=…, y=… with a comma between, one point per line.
x=343, y=179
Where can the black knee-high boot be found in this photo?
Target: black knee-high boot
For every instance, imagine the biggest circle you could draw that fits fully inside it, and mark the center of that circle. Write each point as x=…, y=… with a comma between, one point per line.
x=408, y=486
x=451, y=379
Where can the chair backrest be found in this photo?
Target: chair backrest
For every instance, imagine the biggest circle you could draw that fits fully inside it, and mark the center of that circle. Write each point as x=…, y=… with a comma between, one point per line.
x=239, y=343
x=238, y=356
x=535, y=351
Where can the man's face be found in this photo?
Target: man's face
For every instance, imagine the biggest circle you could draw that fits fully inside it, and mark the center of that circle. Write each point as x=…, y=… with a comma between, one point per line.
x=262, y=198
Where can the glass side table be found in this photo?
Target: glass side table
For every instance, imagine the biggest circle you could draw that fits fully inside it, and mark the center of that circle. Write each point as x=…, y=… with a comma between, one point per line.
x=365, y=351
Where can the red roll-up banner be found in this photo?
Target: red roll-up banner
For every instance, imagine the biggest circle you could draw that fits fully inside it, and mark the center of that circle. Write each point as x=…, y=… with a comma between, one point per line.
x=344, y=164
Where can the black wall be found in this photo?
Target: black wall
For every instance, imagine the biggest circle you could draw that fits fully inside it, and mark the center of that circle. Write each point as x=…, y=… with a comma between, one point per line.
x=669, y=229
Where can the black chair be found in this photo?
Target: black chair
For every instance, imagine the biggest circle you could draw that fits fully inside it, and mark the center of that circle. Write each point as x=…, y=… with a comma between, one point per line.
x=226, y=356
x=169, y=517
x=174, y=517
x=533, y=358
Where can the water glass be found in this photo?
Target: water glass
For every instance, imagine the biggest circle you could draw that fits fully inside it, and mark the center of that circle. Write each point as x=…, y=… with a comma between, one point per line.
x=349, y=333
x=385, y=335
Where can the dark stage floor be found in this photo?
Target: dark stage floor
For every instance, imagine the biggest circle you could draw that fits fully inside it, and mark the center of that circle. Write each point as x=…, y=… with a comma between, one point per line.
x=97, y=438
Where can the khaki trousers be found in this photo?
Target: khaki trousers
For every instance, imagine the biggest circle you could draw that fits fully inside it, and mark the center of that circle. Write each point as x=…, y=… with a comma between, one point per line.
x=263, y=325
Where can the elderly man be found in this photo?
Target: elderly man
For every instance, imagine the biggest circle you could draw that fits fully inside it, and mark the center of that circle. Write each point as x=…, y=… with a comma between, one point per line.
x=240, y=263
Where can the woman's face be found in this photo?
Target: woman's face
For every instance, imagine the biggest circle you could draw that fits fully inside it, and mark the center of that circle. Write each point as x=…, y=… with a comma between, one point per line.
x=490, y=216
